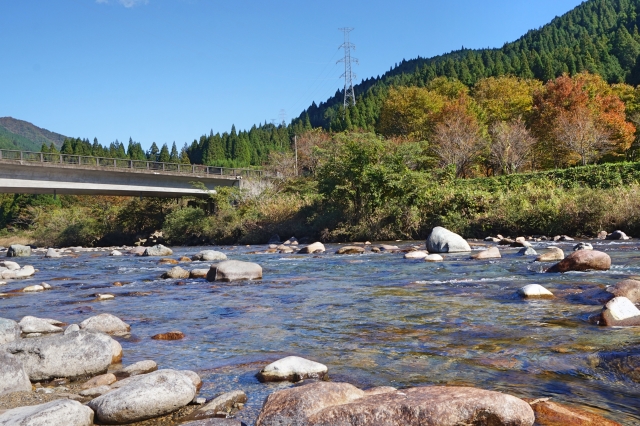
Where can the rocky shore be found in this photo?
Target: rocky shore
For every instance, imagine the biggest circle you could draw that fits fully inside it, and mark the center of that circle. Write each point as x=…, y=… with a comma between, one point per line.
x=56, y=373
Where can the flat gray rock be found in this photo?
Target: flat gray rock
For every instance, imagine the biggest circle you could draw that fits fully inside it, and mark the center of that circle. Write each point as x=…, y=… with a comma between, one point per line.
x=140, y=367
x=73, y=355
x=234, y=270
x=224, y=403
x=31, y=324
x=13, y=378
x=442, y=240
x=61, y=412
x=106, y=323
x=157, y=250
x=18, y=250
x=209, y=256
x=152, y=395
x=292, y=369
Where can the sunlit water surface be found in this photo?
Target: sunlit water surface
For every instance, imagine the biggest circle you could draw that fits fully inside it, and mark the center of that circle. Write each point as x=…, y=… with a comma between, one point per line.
x=373, y=319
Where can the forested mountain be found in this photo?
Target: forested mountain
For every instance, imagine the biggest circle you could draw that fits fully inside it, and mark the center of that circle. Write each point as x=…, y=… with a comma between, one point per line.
x=599, y=36
x=22, y=135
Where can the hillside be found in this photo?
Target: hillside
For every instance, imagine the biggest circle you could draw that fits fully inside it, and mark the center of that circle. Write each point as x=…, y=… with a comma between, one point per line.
x=599, y=36
x=19, y=134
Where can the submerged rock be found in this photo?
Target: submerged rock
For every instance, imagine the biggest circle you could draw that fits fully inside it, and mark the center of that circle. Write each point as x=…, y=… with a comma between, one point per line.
x=209, y=256
x=292, y=369
x=61, y=412
x=171, y=335
x=325, y=404
x=106, y=323
x=73, y=355
x=442, y=240
x=491, y=253
x=583, y=260
x=13, y=378
x=234, y=270
x=619, y=311
x=152, y=395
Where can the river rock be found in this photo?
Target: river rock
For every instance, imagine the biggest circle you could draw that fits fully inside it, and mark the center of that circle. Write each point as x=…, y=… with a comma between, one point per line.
x=140, y=367
x=442, y=240
x=18, y=250
x=115, y=253
x=138, y=251
x=171, y=335
x=152, y=395
x=418, y=254
x=313, y=248
x=24, y=272
x=275, y=239
x=534, y=291
x=325, y=403
x=72, y=328
x=619, y=311
x=12, y=266
x=195, y=378
x=106, y=323
x=292, y=369
x=553, y=254
x=389, y=248
x=209, y=256
x=61, y=412
x=74, y=355
x=116, y=351
x=95, y=392
x=167, y=261
x=527, y=251
x=52, y=254
x=214, y=422
x=625, y=288
x=33, y=289
x=434, y=258
x=224, y=403
x=31, y=324
x=198, y=273
x=13, y=378
x=491, y=253
x=158, y=250
x=550, y=413
x=101, y=380
x=350, y=250
x=234, y=270
x=602, y=235
x=176, y=273
x=582, y=246
x=583, y=260
x=617, y=235
x=9, y=331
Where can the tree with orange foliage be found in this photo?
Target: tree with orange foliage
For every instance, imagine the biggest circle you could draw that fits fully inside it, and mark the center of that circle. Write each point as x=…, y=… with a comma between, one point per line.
x=584, y=98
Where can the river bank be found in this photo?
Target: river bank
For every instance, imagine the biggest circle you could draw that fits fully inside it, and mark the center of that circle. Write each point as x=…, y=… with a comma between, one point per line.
x=374, y=319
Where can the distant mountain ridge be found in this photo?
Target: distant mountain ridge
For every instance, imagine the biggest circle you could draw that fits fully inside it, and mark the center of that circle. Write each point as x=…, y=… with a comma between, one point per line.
x=22, y=135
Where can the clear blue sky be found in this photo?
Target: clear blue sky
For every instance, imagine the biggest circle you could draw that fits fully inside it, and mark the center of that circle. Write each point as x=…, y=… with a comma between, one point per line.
x=171, y=70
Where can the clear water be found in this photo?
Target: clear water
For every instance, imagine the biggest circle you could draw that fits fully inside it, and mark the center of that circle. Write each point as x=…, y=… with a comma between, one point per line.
x=373, y=319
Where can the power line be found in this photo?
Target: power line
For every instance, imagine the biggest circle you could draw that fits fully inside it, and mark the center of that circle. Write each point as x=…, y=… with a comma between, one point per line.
x=349, y=76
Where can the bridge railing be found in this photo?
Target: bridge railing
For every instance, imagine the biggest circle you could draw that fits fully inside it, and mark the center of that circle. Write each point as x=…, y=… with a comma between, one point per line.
x=123, y=163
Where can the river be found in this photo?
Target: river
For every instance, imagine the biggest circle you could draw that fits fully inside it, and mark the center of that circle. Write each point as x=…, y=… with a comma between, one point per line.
x=373, y=319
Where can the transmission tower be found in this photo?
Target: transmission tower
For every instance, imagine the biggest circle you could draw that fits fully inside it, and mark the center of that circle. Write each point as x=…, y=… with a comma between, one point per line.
x=349, y=76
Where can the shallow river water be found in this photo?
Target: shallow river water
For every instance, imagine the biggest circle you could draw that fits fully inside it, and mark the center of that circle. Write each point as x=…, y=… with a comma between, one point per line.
x=373, y=319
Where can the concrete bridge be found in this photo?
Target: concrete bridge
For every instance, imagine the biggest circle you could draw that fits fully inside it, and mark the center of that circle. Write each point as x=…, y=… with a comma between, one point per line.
x=24, y=172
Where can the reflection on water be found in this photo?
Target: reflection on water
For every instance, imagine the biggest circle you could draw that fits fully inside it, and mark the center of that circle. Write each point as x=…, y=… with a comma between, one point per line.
x=374, y=320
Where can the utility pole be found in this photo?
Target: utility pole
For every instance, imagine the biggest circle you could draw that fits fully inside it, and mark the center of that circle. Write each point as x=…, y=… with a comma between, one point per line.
x=349, y=76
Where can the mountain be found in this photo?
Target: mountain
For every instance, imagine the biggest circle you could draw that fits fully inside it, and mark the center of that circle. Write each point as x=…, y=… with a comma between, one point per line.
x=599, y=36
x=22, y=135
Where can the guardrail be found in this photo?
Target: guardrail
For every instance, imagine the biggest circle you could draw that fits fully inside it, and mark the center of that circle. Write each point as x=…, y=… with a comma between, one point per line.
x=122, y=163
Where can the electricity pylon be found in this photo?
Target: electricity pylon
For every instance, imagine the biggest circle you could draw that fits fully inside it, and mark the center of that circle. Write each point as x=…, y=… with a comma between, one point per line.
x=349, y=76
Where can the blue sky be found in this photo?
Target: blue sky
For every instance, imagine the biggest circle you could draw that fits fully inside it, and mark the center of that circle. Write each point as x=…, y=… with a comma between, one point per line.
x=171, y=70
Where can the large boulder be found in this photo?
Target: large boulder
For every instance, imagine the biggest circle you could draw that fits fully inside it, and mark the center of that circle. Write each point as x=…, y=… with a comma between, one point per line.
x=106, y=323
x=549, y=413
x=583, y=260
x=234, y=270
x=12, y=266
x=13, y=378
x=619, y=311
x=553, y=254
x=9, y=330
x=157, y=250
x=198, y=273
x=61, y=412
x=442, y=240
x=52, y=253
x=176, y=273
x=292, y=369
x=151, y=395
x=625, y=288
x=617, y=235
x=73, y=355
x=209, y=256
x=312, y=248
x=338, y=404
x=18, y=250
